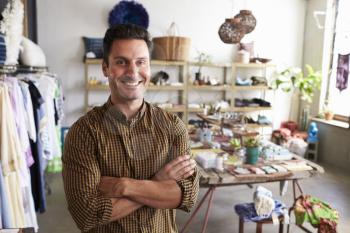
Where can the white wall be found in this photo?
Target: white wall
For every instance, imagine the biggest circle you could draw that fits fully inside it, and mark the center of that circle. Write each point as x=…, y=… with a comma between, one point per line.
x=61, y=24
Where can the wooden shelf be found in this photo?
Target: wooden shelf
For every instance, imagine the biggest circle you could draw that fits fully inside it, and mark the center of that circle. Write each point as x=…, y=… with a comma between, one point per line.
x=250, y=109
x=97, y=87
x=176, y=109
x=209, y=88
x=255, y=126
x=93, y=60
x=166, y=88
x=200, y=110
x=250, y=88
x=168, y=63
x=253, y=65
x=218, y=65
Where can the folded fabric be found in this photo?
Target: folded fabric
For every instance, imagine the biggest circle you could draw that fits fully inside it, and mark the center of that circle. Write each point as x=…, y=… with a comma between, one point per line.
x=263, y=202
x=248, y=213
x=316, y=212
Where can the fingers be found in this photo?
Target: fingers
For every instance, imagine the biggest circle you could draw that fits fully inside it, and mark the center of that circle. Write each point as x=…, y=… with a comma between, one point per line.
x=187, y=171
x=178, y=168
x=178, y=160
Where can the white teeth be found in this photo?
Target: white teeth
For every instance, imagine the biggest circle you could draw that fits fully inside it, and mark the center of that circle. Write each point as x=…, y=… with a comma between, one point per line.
x=132, y=83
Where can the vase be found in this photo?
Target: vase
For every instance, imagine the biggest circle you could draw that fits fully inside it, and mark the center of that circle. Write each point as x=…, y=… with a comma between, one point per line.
x=329, y=116
x=198, y=76
x=252, y=155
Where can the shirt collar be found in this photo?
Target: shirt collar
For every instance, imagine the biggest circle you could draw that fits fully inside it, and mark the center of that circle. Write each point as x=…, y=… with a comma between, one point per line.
x=115, y=113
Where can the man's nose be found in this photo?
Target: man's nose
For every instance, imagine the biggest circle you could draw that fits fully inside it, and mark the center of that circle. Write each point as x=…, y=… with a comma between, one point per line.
x=132, y=69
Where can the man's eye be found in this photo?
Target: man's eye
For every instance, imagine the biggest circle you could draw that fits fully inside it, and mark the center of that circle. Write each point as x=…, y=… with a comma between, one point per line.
x=120, y=62
x=141, y=62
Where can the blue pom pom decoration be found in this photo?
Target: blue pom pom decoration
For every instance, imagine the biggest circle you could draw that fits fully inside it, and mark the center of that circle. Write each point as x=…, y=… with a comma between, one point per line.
x=128, y=12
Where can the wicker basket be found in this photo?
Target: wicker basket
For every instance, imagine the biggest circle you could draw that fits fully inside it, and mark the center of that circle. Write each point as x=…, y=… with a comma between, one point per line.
x=171, y=48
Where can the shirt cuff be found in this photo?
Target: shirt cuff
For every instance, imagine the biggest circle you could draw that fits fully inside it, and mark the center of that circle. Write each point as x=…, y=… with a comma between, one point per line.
x=104, y=209
x=189, y=189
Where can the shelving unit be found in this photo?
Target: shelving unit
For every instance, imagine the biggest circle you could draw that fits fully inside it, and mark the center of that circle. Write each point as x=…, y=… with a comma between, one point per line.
x=227, y=87
x=223, y=89
x=262, y=69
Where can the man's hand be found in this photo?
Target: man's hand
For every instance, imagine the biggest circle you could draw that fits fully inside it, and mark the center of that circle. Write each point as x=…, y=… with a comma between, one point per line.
x=180, y=168
x=113, y=187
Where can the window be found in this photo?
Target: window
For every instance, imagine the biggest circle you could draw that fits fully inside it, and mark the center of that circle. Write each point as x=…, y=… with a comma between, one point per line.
x=339, y=85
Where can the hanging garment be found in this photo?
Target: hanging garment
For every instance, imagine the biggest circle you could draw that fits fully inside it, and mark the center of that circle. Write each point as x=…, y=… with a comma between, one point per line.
x=47, y=87
x=11, y=158
x=342, y=71
x=19, y=114
x=37, y=170
x=28, y=105
x=24, y=174
x=6, y=221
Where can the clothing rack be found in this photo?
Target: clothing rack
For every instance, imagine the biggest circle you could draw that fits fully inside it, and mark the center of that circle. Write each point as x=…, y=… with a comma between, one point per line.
x=15, y=69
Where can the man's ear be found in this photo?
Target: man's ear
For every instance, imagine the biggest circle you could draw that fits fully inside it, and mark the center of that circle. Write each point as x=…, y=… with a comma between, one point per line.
x=105, y=69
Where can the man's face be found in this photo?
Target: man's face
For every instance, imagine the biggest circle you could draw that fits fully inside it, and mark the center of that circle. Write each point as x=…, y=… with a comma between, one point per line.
x=128, y=70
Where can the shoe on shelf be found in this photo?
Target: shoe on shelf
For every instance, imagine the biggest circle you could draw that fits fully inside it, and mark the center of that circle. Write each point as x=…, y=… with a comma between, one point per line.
x=258, y=81
x=250, y=103
x=243, y=82
x=262, y=120
x=249, y=120
x=239, y=103
x=261, y=102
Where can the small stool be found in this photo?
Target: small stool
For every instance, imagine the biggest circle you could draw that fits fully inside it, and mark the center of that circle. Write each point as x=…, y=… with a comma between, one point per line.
x=312, y=151
x=247, y=213
x=260, y=223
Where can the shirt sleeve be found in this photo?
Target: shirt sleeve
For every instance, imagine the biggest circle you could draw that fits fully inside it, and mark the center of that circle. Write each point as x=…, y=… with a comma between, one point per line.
x=81, y=177
x=181, y=146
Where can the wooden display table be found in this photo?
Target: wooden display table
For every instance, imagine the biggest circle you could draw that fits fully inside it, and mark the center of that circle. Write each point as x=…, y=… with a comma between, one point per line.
x=212, y=179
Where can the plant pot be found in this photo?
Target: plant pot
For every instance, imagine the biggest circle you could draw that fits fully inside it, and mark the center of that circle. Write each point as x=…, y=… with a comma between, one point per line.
x=252, y=155
x=328, y=116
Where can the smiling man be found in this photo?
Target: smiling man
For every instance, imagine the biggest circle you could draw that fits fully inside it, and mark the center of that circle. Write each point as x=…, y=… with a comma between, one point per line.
x=126, y=164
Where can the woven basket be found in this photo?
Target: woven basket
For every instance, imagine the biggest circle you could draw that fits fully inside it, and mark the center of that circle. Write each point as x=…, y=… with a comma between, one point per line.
x=171, y=48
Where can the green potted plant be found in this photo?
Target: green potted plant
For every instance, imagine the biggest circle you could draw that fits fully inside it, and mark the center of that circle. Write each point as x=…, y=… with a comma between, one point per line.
x=235, y=143
x=252, y=145
x=293, y=79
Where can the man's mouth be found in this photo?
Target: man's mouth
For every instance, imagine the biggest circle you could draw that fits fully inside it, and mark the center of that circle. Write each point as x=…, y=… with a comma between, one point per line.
x=132, y=83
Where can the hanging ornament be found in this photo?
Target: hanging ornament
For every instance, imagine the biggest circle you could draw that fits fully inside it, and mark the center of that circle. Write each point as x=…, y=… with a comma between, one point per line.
x=247, y=20
x=231, y=31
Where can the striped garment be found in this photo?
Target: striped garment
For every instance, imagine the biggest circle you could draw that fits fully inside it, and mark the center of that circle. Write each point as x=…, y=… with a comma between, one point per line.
x=105, y=143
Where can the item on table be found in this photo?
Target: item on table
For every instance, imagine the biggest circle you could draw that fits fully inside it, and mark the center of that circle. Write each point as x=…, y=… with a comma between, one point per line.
x=268, y=169
x=242, y=171
x=257, y=170
x=279, y=168
x=207, y=159
x=296, y=165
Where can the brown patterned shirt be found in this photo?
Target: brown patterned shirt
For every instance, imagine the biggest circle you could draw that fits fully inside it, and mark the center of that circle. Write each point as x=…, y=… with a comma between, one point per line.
x=105, y=143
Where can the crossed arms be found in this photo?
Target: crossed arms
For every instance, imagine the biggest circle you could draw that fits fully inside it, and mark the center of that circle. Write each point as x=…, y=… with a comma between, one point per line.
x=161, y=192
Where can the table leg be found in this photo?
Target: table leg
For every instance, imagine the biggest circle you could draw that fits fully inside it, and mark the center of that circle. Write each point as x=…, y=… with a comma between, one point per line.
x=208, y=210
x=196, y=210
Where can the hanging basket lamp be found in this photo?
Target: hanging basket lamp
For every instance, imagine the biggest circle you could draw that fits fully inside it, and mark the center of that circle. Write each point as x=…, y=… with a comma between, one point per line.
x=233, y=29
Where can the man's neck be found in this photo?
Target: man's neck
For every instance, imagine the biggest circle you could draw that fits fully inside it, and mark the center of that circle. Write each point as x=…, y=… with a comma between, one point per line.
x=130, y=108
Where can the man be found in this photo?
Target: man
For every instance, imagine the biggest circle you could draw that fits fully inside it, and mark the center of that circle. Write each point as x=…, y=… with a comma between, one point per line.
x=125, y=165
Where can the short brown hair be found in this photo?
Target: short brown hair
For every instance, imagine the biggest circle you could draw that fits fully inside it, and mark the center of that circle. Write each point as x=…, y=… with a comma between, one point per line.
x=124, y=31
